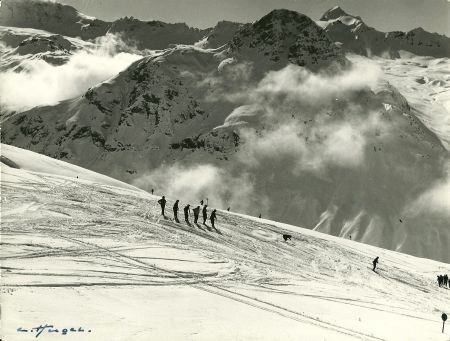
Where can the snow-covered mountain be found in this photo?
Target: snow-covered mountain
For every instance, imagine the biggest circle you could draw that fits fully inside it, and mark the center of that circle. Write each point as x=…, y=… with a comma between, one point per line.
x=22, y=44
x=288, y=125
x=355, y=36
x=65, y=20
x=52, y=17
x=425, y=83
x=160, y=102
x=69, y=233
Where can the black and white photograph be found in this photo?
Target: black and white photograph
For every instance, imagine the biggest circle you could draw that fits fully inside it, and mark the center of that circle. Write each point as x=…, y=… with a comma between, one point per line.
x=225, y=170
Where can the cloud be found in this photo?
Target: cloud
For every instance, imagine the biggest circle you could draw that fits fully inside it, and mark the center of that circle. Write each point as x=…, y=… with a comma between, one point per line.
x=40, y=83
x=307, y=120
x=434, y=200
x=297, y=84
x=193, y=183
x=313, y=149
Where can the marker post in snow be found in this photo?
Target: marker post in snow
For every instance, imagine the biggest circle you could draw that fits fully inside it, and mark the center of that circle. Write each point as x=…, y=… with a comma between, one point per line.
x=444, y=318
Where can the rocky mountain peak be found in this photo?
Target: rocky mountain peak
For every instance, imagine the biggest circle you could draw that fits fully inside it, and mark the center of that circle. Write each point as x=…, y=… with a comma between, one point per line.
x=285, y=36
x=334, y=13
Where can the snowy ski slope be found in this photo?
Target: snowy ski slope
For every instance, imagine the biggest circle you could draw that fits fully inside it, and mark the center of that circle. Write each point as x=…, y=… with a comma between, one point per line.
x=95, y=253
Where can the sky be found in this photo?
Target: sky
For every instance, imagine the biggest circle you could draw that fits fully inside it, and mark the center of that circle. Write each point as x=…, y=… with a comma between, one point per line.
x=385, y=15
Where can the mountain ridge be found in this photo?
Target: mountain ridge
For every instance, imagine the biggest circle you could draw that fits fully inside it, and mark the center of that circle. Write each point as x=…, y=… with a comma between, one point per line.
x=343, y=28
x=357, y=37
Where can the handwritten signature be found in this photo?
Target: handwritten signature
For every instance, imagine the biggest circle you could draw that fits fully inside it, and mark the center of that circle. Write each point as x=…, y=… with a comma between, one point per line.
x=49, y=328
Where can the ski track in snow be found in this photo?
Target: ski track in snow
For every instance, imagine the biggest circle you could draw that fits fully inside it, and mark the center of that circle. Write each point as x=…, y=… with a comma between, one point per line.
x=77, y=241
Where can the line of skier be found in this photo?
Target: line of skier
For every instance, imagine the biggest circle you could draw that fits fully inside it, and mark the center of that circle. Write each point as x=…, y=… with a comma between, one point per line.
x=443, y=280
x=212, y=217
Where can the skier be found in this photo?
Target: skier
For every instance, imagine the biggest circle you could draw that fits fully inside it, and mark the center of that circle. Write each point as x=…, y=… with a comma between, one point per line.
x=260, y=215
x=162, y=202
x=213, y=217
x=152, y=190
x=186, y=213
x=175, y=211
x=374, y=262
x=205, y=214
x=228, y=209
x=439, y=278
x=196, y=213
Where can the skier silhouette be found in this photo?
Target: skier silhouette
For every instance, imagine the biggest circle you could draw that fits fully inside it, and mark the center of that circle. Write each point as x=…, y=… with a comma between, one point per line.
x=152, y=190
x=228, y=209
x=213, y=217
x=162, y=202
x=175, y=211
x=196, y=213
x=375, y=262
x=186, y=213
x=205, y=214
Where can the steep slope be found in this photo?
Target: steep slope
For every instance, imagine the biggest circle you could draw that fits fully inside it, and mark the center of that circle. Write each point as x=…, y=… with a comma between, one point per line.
x=140, y=112
x=308, y=168
x=355, y=36
x=104, y=254
x=24, y=161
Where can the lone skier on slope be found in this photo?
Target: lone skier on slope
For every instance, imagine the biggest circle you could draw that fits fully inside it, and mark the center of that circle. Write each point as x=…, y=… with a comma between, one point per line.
x=213, y=217
x=186, y=213
x=205, y=214
x=196, y=213
x=375, y=262
x=175, y=211
x=162, y=202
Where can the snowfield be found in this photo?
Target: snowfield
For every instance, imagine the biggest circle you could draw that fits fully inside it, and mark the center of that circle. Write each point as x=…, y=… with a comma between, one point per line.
x=95, y=253
x=425, y=83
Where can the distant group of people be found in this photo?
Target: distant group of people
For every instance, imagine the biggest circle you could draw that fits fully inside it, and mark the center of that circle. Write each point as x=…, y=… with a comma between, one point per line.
x=212, y=217
x=443, y=280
